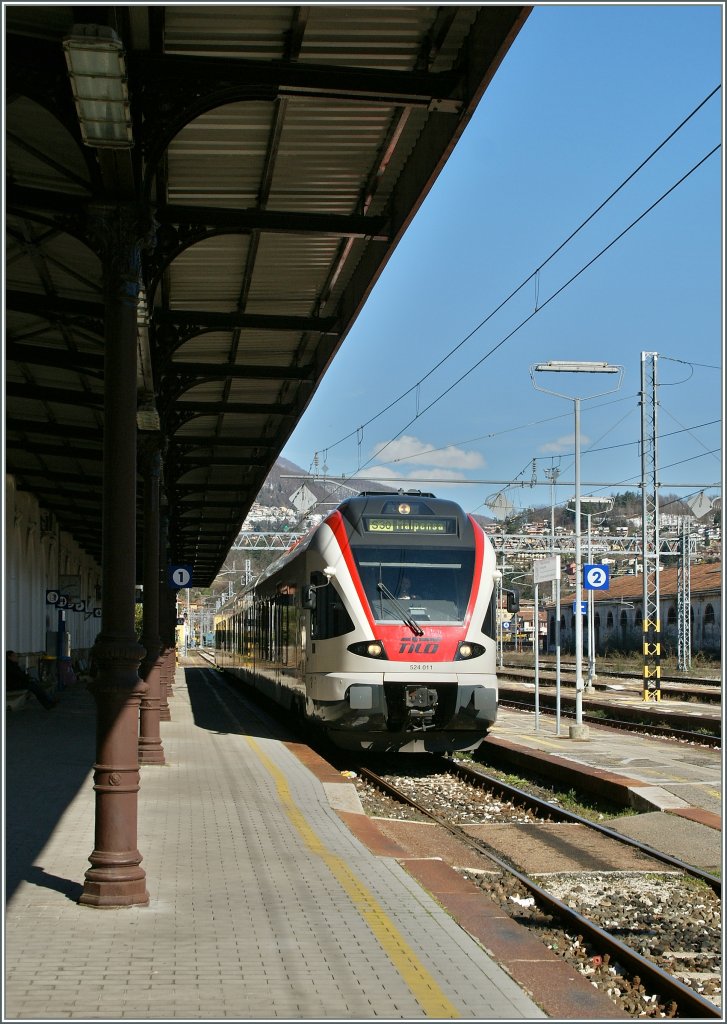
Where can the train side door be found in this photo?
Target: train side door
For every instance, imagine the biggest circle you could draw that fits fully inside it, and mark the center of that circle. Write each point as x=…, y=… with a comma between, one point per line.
x=308, y=603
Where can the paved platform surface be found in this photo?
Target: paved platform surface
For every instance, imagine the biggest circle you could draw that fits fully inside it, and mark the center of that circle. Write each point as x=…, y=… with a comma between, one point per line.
x=263, y=903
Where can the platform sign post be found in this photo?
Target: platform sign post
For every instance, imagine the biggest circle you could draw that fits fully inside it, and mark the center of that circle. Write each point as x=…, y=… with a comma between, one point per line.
x=546, y=570
x=179, y=577
x=595, y=577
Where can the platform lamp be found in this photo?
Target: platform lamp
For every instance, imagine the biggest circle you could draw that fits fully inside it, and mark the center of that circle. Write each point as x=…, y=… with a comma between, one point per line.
x=97, y=71
x=579, y=731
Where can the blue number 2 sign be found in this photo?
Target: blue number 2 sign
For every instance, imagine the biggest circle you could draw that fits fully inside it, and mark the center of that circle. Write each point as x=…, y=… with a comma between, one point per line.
x=595, y=577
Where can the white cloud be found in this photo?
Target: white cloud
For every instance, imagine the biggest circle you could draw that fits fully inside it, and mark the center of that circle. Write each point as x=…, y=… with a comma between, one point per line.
x=566, y=443
x=419, y=478
x=411, y=451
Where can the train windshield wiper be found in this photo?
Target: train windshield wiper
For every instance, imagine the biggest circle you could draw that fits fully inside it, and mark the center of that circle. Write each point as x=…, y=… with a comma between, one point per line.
x=404, y=614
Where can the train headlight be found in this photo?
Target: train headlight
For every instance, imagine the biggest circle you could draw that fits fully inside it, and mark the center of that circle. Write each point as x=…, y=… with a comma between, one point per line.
x=468, y=650
x=368, y=649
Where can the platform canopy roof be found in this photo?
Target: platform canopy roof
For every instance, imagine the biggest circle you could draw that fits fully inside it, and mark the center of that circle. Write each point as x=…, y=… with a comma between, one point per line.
x=273, y=156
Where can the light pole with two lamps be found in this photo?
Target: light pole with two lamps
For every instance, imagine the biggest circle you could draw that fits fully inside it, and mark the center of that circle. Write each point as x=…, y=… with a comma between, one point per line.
x=579, y=731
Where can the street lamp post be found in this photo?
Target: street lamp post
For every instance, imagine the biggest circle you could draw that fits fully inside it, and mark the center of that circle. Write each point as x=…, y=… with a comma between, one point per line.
x=578, y=731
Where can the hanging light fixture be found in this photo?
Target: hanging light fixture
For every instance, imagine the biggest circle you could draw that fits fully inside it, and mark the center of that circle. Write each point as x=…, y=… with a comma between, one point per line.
x=97, y=70
x=147, y=416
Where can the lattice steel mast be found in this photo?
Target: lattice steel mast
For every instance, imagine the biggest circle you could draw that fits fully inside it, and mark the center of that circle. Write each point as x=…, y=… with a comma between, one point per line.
x=650, y=529
x=684, y=598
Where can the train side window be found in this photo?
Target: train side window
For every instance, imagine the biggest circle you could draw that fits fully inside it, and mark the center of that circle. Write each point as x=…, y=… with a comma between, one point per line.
x=330, y=617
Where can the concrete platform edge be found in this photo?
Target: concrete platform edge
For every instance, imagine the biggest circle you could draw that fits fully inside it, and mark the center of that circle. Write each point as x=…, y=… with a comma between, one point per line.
x=619, y=789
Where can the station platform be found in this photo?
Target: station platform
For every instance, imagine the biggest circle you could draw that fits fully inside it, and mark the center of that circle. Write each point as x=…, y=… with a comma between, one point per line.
x=272, y=896
x=264, y=904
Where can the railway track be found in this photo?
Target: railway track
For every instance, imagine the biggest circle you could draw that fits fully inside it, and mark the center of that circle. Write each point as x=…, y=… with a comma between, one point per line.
x=631, y=719
x=684, y=692
x=547, y=664
x=606, y=709
x=511, y=828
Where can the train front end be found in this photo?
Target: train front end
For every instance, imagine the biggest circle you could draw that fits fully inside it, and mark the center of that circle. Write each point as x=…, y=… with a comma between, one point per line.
x=418, y=670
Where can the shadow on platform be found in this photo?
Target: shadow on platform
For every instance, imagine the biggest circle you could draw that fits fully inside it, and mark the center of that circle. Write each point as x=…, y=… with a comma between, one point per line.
x=49, y=755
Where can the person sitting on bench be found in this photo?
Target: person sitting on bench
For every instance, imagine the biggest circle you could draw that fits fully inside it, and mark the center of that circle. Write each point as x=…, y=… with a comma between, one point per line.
x=17, y=679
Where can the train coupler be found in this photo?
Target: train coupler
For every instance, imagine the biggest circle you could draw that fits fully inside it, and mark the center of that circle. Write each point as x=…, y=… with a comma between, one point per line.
x=421, y=703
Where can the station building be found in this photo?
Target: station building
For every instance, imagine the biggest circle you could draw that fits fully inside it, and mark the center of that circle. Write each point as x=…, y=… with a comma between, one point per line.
x=52, y=586
x=618, y=612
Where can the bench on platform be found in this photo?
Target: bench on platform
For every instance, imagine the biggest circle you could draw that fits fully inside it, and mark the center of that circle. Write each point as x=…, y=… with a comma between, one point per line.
x=17, y=699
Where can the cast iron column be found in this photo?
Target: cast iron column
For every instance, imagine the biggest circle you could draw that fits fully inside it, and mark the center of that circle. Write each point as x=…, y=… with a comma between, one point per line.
x=116, y=878
x=167, y=629
x=151, y=750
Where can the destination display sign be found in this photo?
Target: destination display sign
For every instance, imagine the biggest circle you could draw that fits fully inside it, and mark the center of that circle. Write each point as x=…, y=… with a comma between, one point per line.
x=409, y=524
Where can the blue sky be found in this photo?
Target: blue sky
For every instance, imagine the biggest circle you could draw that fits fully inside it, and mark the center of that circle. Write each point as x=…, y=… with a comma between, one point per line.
x=584, y=96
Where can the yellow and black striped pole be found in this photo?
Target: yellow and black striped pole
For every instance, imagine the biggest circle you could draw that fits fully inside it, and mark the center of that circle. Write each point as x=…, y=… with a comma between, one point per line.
x=652, y=660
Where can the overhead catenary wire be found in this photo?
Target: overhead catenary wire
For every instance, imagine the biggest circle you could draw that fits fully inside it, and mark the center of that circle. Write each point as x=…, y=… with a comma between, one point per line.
x=670, y=465
x=514, y=482
x=419, y=412
x=500, y=433
x=553, y=296
x=686, y=362
x=551, y=419
x=534, y=274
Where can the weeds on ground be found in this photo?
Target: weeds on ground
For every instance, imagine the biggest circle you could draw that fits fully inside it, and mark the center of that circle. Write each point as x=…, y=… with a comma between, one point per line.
x=583, y=804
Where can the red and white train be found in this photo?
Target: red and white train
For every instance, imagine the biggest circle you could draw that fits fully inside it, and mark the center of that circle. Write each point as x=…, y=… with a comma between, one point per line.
x=378, y=626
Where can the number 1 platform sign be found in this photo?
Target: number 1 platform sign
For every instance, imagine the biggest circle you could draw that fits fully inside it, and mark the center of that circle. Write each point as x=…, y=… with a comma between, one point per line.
x=180, y=576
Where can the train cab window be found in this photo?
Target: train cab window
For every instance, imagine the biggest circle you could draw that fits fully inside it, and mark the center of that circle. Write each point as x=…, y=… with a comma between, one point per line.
x=431, y=584
x=330, y=617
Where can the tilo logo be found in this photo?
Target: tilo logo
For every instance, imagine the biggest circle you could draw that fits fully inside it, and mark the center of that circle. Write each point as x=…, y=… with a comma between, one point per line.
x=421, y=647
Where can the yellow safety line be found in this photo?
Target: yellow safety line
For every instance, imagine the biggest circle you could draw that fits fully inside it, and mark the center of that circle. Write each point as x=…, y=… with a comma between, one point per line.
x=556, y=742
x=423, y=986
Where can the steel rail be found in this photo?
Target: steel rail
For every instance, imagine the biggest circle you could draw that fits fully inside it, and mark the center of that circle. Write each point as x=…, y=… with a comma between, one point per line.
x=688, y=1002
x=541, y=806
x=547, y=664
